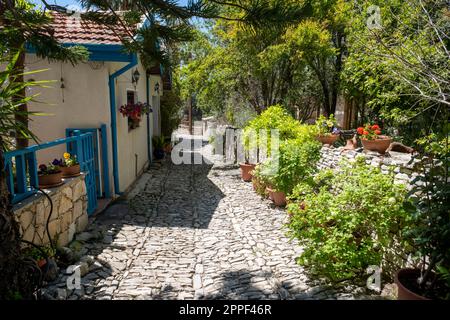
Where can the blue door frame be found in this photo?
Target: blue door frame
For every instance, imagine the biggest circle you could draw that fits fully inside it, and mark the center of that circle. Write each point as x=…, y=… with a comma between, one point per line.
x=101, y=180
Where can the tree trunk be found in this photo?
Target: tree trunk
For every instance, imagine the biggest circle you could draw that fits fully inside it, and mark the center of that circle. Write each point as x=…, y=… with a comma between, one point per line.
x=16, y=279
x=22, y=141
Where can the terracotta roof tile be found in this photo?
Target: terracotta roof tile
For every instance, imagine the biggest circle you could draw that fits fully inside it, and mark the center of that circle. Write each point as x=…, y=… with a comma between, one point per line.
x=74, y=29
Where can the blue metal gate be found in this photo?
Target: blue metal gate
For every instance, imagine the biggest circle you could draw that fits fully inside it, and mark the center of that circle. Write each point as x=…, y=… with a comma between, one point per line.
x=84, y=150
x=100, y=157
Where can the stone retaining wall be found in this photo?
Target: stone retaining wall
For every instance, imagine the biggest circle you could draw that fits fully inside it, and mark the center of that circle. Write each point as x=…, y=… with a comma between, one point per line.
x=406, y=171
x=402, y=165
x=69, y=215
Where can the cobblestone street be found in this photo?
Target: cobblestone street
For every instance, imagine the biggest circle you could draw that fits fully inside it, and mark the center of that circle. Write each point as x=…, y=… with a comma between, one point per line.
x=192, y=232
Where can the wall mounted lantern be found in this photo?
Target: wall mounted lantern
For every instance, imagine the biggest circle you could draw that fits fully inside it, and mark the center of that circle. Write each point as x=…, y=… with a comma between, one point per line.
x=135, y=77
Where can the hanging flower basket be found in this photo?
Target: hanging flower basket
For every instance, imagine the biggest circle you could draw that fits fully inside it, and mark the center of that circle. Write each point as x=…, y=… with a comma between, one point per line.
x=134, y=112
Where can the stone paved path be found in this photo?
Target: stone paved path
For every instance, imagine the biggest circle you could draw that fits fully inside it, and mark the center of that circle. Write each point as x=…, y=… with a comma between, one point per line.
x=193, y=232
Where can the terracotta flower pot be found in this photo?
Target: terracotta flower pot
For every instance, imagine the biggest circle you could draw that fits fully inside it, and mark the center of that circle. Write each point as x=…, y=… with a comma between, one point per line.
x=168, y=149
x=330, y=139
x=72, y=171
x=402, y=276
x=42, y=262
x=246, y=168
x=278, y=197
x=379, y=145
x=50, y=180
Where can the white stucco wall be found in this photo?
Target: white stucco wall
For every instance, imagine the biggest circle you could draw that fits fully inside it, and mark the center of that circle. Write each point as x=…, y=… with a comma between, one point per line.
x=83, y=103
x=132, y=144
x=86, y=105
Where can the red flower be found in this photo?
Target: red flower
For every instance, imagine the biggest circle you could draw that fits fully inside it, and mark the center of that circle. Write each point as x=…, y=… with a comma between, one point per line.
x=377, y=132
x=375, y=127
x=365, y=132
x=360, y=130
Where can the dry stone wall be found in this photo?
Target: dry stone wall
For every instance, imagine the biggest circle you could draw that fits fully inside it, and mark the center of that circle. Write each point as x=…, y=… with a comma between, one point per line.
x=68, y=217
x=403, y=165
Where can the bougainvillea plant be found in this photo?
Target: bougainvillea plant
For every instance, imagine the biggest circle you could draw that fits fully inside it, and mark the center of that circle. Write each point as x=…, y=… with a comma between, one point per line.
x=134, y=110
x=369, y=132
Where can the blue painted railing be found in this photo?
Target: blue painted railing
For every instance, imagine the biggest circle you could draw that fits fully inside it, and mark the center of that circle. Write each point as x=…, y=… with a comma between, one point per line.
x=25, y=181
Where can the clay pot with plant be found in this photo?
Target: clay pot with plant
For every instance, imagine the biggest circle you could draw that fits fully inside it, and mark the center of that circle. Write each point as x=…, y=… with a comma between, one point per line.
x=428, y=234
x=327, y=130
x=259, y=185
x=49, y=175
x=158, y=147
x=40, y=254
x=246, y=171
x=372, y=138
x=69, y=165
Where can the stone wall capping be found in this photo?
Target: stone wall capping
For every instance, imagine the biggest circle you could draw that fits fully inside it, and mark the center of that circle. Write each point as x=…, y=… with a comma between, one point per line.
x=30, y=200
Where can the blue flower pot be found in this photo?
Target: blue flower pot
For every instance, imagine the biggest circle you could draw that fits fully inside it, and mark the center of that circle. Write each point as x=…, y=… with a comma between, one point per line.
x=159, y=154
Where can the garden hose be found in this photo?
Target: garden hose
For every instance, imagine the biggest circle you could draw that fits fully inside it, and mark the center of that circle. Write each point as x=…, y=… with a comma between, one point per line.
x=40, y=278
x=45, y=254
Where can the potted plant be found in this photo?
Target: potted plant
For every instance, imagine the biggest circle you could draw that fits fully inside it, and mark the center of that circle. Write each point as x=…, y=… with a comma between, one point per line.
x=327, y=130
x=372, y=139
x=134, y=112
x=69, y=165
x=49, y=175
x=296, y=162
x=429, y=232
x=168, y=146
x=246, y=170
x=40, y=254
x=275, y=185
x=278, y=197
x=259, y=185
x=158, y=147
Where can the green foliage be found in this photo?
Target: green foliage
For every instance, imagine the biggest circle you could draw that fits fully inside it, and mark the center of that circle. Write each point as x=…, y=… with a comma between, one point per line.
x=40, y=253
x=259, y=180
x=10, y=99
x=296, y=162
x=274, y=118
x=171, y=106
x=22, y=23
x=325, y=125
x=398, y=73
x=158, y=142
x=430, y=232
x=349, y=221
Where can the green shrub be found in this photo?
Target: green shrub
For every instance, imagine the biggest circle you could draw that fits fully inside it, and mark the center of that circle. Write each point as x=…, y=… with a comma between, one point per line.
x=259, y=181
x=347, y=220
x=296, y=162
x=274, y=117
x=171, y=105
